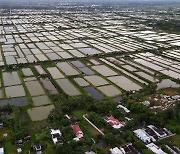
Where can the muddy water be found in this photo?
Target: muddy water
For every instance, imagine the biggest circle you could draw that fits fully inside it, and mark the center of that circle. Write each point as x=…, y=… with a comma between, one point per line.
x=93, y=92
x=67, y=68
x=81, y=82
x=104, y=70
x=96, y=80
x=11, y=79
x=167, y=83
x=41, y=100
x=68, y=87
x=110, y=90
x=14, y=91
x=49, y=86
x=34, y=88
x=55, y=73
x=40, y=113
x=124, y=83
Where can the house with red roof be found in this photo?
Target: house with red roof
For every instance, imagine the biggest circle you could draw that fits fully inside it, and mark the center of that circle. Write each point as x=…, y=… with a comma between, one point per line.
x=115, y=123
x=77, y=131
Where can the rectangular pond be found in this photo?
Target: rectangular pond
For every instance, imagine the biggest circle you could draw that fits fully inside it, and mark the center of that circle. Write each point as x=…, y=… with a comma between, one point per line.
x=11, y=78
x=14, y=91
x=68, y=87
x=109, y=90
x=34, y=88
x=41, y=100
x=81, y=82
x=124, y=83
x=22, y=101
x=27, y=72
x=49, y=86
x=55, y=73
x=67, y=68
x=104, y=70
x=93, y=93
x=96, y=80
x=40, y=113
x=86, y=71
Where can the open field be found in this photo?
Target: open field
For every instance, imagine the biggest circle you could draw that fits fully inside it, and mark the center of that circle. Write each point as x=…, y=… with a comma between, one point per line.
x=88, y=128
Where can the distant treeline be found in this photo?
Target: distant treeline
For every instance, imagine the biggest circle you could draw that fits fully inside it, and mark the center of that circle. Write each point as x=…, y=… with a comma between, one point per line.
x=169, y=26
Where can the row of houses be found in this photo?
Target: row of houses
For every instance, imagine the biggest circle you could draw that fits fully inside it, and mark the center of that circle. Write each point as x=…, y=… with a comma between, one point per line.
x=151, y=133
x=56, y=135
x=173, y=149
x=128, y=148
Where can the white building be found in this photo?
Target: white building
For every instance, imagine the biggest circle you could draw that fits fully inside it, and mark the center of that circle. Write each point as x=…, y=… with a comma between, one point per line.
x=1, y=150
x=142, y=135
x=56, y=135
x=90, y=152
x=124, y=108
x=154, y=148
x=116, y=150
x=158, y=132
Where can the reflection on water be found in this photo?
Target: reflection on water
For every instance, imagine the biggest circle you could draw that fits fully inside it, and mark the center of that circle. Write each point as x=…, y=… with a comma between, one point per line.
x=167, y=83
x=93, y=92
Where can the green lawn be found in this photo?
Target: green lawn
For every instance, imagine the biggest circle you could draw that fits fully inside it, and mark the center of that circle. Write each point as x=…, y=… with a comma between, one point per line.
x=170, y=91
x=174, y=140
x=9, y=148
x=4, y=131
x=7, y=142
x=89, y=130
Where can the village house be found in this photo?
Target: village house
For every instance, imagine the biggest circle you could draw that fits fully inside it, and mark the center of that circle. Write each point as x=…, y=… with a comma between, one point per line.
x=151, y=133
x=77, y=131
x=124, y=108
x=154, y=148
x=37, y=149
x=1, y=150
x=142, y=135
x=56, y=135
x=115, y=150
x=113, y=122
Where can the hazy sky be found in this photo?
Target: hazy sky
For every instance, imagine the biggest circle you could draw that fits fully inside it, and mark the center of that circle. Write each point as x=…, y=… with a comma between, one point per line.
x=96, y=1
x=91, y=0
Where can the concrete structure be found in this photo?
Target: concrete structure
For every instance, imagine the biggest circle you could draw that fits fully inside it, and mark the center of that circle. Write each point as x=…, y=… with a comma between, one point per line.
x=116, y=150
x=154, y=148
x=56, y=135
x=142, y=135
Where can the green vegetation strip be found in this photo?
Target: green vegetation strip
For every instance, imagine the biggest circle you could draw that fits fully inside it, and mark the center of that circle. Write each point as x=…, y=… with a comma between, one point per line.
x=89, y=130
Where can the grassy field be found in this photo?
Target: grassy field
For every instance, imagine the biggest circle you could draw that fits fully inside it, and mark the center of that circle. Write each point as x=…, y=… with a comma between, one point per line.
x=170, y=91
x=174, y=140
x=85, y=125
x=9, y=148
x=7, y=141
